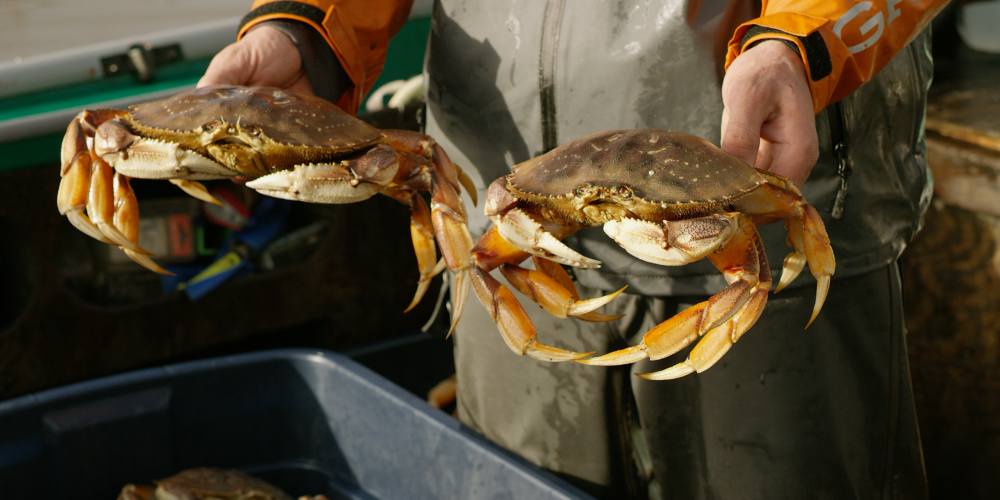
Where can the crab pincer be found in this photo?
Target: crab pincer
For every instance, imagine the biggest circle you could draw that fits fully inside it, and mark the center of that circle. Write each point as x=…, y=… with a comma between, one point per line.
x=667, y=198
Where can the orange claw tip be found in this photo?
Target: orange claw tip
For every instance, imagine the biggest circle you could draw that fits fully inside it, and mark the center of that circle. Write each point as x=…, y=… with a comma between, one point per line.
x=544, y=352
x=677, y=371
x=822, y=288
x=621, y=357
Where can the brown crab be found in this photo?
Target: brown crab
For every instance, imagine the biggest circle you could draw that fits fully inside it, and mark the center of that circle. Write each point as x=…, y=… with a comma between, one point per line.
x=206, y=483
x=297, y=147
x=667, y=198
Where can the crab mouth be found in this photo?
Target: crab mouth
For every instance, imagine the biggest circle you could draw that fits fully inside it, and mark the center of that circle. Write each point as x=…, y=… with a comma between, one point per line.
x=232, y=141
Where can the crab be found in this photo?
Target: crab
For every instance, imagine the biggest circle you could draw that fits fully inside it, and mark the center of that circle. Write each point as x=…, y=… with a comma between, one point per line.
x=667, y=198
x=294, y=146
x=206, y=483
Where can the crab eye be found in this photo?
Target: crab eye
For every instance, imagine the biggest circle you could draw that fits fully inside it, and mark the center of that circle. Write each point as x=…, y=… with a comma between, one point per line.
x=624, y=192
x=254, y=132
x=581, y=190
x=208, y=127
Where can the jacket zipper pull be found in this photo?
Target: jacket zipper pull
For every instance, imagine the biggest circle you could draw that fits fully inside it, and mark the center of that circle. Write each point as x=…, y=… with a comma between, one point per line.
x=840, y=151
x=844, y=171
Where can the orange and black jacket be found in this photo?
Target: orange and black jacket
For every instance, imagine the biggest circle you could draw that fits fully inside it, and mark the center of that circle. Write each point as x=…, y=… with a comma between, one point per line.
x=842, y=42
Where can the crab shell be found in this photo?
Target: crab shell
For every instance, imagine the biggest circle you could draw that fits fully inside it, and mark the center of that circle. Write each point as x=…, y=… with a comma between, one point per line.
x=646, y=174
x=206, y=483
x=282, y=129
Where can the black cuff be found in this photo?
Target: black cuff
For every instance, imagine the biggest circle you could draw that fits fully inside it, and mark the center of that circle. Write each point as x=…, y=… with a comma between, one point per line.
x=817, y=54
x=326, y=75
x=303, y=10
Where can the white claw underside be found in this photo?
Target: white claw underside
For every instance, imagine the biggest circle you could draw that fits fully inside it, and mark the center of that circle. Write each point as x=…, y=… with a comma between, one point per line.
x=155, y=159
x=794, y=263
x=196, y=190
x=145, y=261
x=527, y=235
x=117, y=238
x=314, y=184
x=582, y=307
x=463, y=281
x=83, y=223
x=646, y=241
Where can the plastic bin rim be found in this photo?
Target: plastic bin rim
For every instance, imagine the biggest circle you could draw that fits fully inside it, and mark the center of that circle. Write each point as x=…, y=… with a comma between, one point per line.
x=186, y=367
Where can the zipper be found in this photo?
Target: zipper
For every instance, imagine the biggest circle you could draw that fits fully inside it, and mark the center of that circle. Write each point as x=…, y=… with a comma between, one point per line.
x=837, y=139
x=547, y=59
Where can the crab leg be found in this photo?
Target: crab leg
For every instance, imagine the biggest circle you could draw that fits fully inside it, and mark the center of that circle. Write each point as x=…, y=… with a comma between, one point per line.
x=745, y=269
x=548, y=293
x=422, y=233
x=560, y=276
x=515, y=326
x=101, y=205
x=74, y=191
x=424, y=166
x=806, y=233
x=126, y=220
x=424, y=145
x=492, y=251
x=74, y=188
x=719, y=339
x=451, y=230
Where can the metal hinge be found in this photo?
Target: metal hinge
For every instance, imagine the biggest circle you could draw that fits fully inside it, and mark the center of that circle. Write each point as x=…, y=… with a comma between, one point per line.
x=141, y=60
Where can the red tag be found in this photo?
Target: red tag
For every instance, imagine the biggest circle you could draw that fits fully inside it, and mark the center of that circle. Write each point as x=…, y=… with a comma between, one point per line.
x=181, y=240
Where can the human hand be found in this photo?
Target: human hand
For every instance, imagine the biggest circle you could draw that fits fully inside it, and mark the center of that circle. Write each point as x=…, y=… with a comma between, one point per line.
x=265, y=56
x=768, y=118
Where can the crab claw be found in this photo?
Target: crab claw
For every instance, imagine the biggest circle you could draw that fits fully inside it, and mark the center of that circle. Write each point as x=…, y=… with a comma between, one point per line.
x=336, y=183
x=516, y=328
x=144, y=158
x=528, y=234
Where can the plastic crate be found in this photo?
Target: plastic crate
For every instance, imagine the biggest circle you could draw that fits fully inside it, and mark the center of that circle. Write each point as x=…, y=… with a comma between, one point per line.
x=309, y=422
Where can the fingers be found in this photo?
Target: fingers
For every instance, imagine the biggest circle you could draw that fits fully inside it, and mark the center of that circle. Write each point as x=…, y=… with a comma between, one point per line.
x=265, y=56
x=768, y=118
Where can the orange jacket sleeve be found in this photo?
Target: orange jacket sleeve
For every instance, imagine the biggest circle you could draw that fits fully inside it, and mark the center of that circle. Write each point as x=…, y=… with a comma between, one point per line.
x=357, y=30
x=843, y=43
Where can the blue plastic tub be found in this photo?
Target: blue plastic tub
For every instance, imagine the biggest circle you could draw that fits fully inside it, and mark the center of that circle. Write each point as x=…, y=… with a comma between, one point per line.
x=310, y=422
